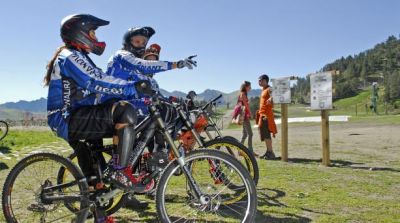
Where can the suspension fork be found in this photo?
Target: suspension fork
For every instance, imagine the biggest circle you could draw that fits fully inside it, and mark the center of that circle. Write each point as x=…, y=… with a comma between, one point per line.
x=181, y=161
x=189, y=125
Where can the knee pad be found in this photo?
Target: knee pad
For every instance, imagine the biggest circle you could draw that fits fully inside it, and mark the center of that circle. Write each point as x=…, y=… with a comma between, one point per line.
x=124, y=112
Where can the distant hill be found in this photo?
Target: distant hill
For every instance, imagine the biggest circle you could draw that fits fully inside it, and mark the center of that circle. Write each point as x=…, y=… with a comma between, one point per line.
x=379, y=64
x=178, y=94
x=19, y=110
x=233, y=96
x=36, y=106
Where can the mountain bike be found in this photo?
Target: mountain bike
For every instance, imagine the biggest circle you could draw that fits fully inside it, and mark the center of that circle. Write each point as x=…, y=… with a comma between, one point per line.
x=194, y=122
x=203, y=122
x=32, y=191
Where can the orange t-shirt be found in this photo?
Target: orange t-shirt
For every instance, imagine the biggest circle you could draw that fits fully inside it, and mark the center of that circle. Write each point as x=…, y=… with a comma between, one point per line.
x=265, y=110
x=265, y=104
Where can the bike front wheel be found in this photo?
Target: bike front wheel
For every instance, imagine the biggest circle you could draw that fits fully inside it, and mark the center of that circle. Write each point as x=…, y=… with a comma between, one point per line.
x=176, y=201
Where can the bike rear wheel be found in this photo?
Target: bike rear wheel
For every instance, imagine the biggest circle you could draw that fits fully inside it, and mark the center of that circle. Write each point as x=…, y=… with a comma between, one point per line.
x=30, y=191
x=176, y=202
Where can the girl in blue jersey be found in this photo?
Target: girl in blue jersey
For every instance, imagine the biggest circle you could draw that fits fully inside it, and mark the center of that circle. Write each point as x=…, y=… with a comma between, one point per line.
x=74, y=82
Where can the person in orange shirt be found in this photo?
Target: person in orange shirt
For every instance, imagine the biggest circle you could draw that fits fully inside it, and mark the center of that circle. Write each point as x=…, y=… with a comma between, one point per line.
x=266, y=122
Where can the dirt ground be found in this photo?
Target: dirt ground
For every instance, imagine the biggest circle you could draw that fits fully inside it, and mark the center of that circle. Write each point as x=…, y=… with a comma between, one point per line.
x=361, y=144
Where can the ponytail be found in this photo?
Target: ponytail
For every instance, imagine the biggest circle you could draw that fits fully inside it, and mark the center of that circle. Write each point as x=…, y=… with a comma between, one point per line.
x=50, y=66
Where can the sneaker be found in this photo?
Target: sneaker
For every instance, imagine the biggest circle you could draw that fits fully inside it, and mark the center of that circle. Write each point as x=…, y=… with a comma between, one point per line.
x=101, y=217
x=126, y=181
x=269, y=155
x=107, y=219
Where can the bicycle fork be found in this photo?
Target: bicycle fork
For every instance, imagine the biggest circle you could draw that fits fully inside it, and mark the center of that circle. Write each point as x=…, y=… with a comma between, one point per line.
x=179, y=157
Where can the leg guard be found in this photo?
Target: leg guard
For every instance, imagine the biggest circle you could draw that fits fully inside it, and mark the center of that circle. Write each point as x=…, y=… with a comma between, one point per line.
x=125, y=113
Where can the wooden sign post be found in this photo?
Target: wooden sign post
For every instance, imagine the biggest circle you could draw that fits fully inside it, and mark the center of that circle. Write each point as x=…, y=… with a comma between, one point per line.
x=325, y=137
x=282, y=95
x=284, y=132
x=321, y=99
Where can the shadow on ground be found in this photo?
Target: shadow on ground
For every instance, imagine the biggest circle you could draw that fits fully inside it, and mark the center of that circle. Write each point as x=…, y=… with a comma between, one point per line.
x=270, y=197
x=343, y=164
x=3, y=166
x=5, y=149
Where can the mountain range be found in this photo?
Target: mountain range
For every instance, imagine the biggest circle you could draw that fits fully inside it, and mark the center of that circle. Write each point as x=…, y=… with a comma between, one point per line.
x=19, y=110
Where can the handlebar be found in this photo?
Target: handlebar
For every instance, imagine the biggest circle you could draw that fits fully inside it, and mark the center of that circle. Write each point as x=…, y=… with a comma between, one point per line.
x=212, y=101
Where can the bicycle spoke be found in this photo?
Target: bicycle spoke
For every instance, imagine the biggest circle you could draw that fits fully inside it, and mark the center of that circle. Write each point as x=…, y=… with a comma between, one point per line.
x=213, y=177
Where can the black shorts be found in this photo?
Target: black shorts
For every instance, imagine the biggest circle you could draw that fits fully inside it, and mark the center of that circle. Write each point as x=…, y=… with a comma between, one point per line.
x=91, y=123
x=264, y=131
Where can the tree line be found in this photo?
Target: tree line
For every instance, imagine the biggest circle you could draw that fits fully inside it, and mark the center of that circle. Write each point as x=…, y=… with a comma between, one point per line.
x=380, y=64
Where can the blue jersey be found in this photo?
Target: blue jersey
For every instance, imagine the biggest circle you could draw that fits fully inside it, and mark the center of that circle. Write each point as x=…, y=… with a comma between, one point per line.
x=124, y=65
x=77, y=82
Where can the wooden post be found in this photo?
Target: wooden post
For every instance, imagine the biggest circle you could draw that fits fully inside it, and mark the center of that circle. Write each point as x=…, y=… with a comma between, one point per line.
x=325, y=137
x=284, y=132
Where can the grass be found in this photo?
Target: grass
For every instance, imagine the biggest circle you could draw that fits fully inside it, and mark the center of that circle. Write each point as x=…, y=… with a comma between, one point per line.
x=377, y=119
x=17, y=139
x=295, y=190
x=301, y=190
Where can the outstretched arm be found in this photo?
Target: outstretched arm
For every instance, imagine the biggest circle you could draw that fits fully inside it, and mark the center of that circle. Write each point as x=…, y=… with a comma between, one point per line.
x=154, y=66
x=145, y=66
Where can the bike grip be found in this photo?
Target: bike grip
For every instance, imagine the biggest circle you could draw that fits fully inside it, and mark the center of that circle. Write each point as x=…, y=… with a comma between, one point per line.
x=219, y=96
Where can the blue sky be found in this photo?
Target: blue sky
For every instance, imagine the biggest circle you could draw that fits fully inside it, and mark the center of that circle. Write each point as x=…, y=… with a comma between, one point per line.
x=234, y=40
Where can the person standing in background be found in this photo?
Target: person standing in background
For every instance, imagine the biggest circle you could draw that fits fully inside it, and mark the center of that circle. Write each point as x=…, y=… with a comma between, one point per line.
x=266, y=122
x=190, y=100
x=244, y=101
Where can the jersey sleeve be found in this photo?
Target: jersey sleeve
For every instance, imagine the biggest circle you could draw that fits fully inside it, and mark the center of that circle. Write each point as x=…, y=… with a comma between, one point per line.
x=88, y=76
x=144, y=66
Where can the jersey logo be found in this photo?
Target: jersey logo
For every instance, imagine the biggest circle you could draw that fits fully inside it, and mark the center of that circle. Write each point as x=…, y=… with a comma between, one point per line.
x=108, y=90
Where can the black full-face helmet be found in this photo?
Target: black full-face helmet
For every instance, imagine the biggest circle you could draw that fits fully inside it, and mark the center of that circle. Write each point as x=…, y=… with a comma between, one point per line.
x=145, y=31
x=75, y=32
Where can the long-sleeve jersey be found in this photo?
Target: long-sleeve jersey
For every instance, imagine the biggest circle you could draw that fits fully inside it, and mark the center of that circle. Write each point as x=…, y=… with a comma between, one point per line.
x=74, y=83
x=124, y=65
